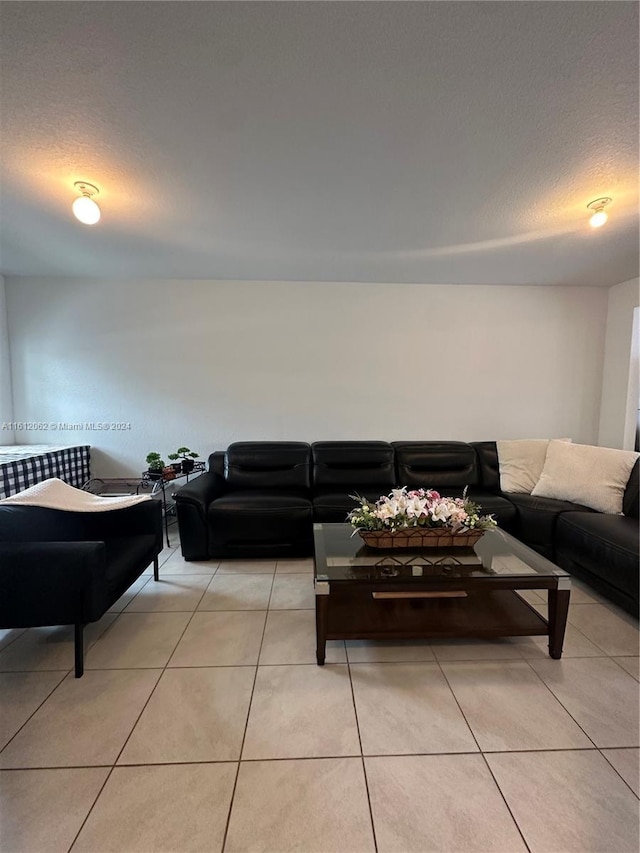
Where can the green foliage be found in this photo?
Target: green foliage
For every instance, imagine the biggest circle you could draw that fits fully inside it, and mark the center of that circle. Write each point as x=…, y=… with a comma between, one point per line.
x=185, y=453
x=155, y=462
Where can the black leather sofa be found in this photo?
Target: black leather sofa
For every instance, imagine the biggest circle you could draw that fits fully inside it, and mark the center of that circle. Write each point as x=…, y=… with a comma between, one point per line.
x=68, y=568
x=260, y=499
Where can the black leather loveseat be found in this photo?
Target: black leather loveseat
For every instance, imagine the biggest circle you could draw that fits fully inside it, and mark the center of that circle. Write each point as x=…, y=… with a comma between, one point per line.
x=260, y=499
x=68, y=568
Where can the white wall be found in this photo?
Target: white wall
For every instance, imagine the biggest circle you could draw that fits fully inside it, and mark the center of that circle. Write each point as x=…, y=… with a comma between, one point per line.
x=204, y=363
x=616, y=376
x=6, y=404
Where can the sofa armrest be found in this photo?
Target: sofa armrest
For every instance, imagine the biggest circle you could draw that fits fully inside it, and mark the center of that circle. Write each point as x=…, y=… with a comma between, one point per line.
x=52, y=583
x=40, y=524
x=192, y=503
x=201, y=491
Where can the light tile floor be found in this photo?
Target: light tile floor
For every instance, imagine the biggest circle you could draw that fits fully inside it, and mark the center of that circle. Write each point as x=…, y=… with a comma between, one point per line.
x=203, y=724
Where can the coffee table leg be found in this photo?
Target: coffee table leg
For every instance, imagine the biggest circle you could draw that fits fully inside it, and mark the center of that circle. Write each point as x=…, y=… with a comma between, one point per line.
x=322, y=607
x=558, y=610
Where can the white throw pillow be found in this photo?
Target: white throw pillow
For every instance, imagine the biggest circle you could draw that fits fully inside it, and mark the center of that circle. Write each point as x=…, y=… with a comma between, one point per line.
x=593, y=476
x=521, y=462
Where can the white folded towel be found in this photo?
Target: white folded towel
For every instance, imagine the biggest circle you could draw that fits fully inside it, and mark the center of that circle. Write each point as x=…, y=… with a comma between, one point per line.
x=56, y=494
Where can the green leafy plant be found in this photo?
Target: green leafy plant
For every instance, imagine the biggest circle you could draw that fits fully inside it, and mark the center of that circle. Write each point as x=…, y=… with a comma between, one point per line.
x=184, y=453
x=187, y=456
x=155, y=462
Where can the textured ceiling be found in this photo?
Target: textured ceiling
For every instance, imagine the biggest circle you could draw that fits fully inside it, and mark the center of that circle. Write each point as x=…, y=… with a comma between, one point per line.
x=371, y=141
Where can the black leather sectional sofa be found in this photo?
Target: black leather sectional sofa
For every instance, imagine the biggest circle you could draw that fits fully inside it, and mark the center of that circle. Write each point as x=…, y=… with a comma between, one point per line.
x=260, y=499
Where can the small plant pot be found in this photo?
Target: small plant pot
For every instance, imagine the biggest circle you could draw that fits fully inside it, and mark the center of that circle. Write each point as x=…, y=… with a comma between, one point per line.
x=154, y=474
x=178, y=467
x=187, y=466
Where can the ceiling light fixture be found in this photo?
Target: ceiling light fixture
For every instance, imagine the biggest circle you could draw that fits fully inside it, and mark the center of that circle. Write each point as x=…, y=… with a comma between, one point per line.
x=85, y=208
x=599, y=216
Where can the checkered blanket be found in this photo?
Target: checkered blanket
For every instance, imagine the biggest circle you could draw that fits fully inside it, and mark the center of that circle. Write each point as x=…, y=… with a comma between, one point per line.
x=21, y=467
x=54, y=494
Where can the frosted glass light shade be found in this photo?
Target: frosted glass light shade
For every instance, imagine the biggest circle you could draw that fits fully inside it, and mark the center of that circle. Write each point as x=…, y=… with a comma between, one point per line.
x=86, y=210
x=598, y=219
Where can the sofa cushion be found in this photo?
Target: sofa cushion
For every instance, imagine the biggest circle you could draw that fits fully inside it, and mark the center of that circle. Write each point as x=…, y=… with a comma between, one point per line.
x=521, y=462
x=262, y=501
x=601, y=548
x=351, y=465
x=435, y=464
x=593, y=476
x=501, y=508
x=333, y=506
x=536, y=520
x=268, y=465
x=267, y=518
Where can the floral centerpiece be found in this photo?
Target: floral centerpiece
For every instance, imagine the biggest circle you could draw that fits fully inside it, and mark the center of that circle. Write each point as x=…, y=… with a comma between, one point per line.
x=419, y=518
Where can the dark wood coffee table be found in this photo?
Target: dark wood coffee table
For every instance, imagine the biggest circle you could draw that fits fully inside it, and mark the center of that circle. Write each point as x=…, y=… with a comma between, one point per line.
x=369, y=594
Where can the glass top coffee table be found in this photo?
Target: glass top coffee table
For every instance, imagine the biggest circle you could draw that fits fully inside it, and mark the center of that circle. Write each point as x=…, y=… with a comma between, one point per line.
x=370, y=594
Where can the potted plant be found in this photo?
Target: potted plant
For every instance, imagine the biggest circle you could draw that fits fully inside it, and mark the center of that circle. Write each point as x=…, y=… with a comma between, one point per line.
x=177, y=466
x=156, y=465
x=187, y=456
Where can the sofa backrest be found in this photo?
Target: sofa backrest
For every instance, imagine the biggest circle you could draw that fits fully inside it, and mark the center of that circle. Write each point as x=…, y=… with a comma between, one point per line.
x=340, y=465
x=631, y=498
x=488, y=466
x=216, y=462
x=435, y=464
x=21, y=523
x=268, y=465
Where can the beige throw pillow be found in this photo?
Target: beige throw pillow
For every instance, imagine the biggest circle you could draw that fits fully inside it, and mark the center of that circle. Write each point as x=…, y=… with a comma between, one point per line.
x=593, y=476
x=521, y=462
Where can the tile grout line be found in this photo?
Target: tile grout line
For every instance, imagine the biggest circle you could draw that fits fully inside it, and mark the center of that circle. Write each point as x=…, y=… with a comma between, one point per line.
x=504, y=799
x=289, y=610
x=53, y=689
x=633, y=657
x=588, y=639
x=312, y=758
x=11, y=642
x=364, y=768
x=64, y=678
x=540, y=678
x=637, y=796
x=246, y=724
x=137, y=720
x=455, y=698
x=473, y=734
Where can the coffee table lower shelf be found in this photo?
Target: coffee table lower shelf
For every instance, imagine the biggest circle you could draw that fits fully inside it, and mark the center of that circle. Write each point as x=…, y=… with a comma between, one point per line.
x=350, y=614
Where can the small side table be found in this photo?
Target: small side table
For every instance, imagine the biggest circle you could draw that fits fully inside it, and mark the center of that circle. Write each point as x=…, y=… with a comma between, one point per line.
x=159, y=489
x=118, y=486
x=112, y=487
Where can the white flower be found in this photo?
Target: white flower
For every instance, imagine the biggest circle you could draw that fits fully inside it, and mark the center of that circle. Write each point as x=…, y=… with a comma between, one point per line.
x=416, y=507
x=406, y=508
x=440, y=512
x=387, y=510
